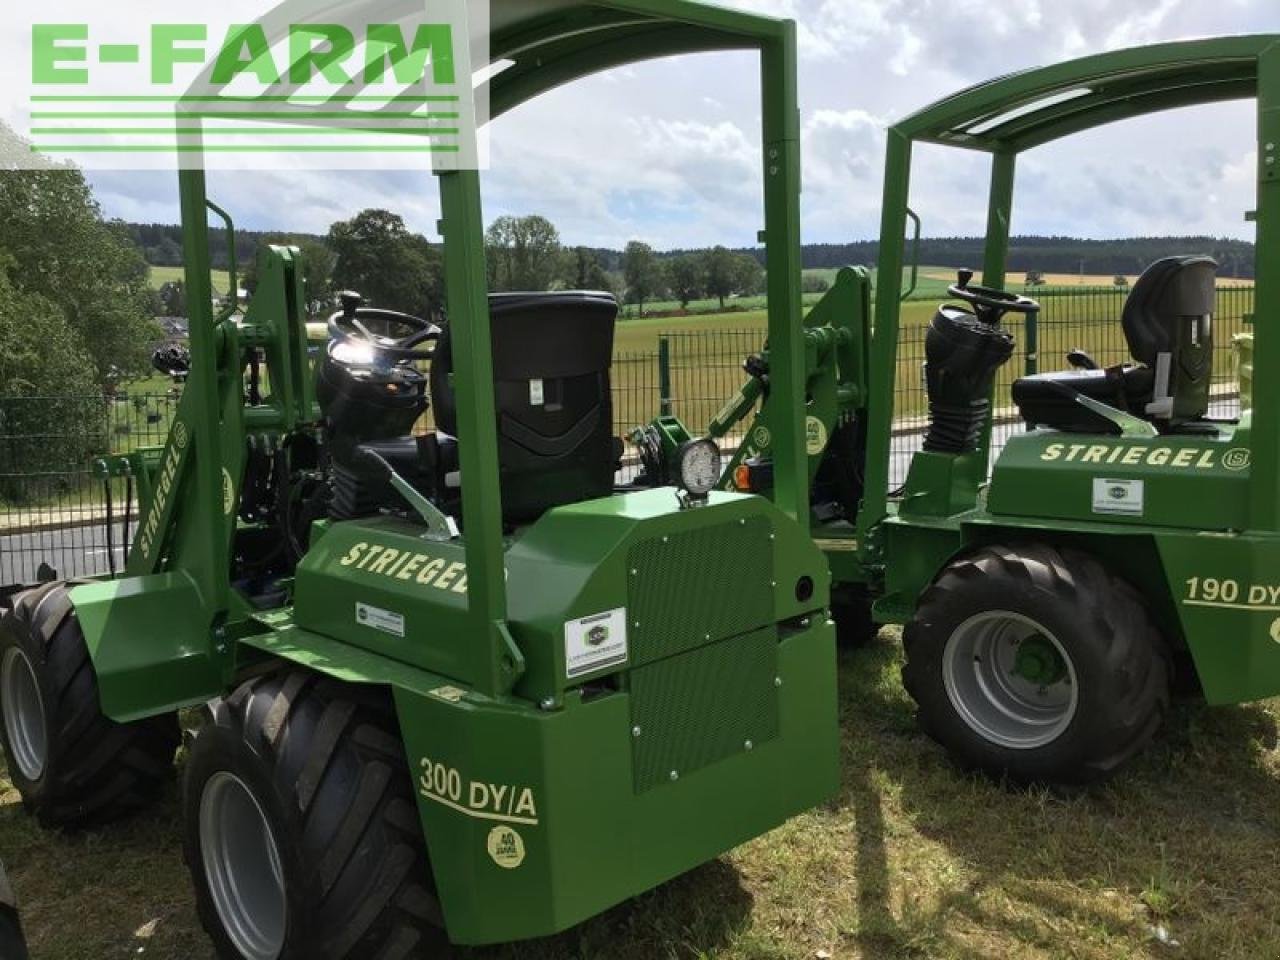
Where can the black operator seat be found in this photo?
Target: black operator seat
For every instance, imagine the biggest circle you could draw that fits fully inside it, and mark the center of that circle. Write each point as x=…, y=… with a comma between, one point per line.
x=551, y=358
x=1168, y=323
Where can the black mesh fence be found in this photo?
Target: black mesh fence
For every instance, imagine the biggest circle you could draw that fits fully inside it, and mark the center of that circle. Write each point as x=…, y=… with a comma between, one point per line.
x=54, y=505
x=1071, y=318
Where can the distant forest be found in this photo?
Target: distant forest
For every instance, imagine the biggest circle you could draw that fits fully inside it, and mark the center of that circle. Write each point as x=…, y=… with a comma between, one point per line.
x=161, y=245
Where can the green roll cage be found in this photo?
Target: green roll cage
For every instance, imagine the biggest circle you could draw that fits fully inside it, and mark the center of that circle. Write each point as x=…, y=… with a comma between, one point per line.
x=1011, y=114
x=550, y=42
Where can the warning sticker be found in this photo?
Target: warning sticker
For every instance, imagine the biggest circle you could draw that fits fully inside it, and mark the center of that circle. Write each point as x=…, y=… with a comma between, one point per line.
x=385, y=620
x=599, y=640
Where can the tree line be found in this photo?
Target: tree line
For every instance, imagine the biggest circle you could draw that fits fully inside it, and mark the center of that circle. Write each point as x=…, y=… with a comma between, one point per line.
x=377, y=255
x=1050, y=254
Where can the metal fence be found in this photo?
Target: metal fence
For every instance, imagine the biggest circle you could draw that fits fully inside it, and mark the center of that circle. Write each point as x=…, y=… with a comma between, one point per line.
x=54, y=507
x=1070, y=318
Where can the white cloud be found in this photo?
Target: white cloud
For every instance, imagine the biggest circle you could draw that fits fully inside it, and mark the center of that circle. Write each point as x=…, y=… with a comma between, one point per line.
x=668, y=151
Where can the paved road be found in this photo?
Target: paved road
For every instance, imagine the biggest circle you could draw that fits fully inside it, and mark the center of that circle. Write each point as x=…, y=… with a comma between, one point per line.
x=73, y=552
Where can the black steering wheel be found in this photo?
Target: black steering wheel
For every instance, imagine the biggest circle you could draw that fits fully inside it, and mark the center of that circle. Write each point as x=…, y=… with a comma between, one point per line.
x=352, y=324
x=990, y=303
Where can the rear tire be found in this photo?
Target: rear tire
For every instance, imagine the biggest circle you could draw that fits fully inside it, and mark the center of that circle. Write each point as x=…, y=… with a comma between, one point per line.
x=1036, y=664
x=313, y=772
x=74, y=766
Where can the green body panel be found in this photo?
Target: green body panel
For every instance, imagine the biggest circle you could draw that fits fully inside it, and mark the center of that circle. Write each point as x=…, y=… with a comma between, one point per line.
x=1161, y=481
x=563, y=779
x=574, y=562
x=1227, y=591
x=590, y=838
x=150, y=653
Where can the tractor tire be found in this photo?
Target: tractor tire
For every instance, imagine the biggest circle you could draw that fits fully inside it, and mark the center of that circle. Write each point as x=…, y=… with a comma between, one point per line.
x=73, y=766
x=851, y=611
x=301, y=830
x=13, y=945
x=1036, y=664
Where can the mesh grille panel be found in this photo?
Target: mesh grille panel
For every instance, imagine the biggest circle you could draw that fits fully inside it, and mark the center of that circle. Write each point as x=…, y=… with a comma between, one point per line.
x=703, y=706
x=699, y=586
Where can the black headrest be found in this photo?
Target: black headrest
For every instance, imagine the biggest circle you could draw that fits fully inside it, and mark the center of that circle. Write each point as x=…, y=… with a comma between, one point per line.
x=1168, y=290
x=546, y=336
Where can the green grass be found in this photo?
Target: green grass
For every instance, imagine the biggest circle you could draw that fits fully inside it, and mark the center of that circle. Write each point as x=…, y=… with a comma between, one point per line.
x=911, y=860
x=220, y=279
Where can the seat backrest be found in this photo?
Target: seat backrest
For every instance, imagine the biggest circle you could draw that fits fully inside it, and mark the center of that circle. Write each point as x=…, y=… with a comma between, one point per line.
x=551, y=359
x=1168, y=323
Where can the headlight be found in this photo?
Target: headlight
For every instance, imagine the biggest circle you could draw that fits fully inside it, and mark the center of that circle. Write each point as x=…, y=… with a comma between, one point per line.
x=698, y=463
x=353, y=353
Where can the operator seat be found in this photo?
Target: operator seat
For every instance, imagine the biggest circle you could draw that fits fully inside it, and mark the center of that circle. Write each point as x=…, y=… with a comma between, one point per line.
x=551, y=359
x=1168, y=323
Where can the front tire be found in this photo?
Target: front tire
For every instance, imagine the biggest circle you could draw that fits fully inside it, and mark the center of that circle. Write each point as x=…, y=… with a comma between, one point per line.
x=1036, y=664
x=73, y=765
x=301, y=830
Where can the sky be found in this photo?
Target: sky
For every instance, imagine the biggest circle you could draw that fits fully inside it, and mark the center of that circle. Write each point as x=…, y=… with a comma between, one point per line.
x=668, y=152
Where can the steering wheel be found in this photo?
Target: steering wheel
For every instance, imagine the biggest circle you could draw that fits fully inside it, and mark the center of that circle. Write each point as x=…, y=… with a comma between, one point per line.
x=991, y=303
x=352, y=324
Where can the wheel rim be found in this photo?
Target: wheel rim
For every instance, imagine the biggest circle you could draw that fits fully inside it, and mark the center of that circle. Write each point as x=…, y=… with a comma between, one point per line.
x=24, y=721
x=1010, y=680
x=242, y=865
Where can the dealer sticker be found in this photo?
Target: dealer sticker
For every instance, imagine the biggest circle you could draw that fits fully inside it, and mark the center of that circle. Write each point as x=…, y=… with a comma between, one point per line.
x=593, y=642
x=386, y=621
x=1124, y=497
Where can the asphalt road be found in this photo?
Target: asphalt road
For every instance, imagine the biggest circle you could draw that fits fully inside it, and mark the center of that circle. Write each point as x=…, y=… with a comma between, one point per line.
x=72, y=551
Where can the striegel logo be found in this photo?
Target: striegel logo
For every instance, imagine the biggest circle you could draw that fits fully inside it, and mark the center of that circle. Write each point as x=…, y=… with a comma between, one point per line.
x=1235, y=459
x=164, y=487
x=421, y=568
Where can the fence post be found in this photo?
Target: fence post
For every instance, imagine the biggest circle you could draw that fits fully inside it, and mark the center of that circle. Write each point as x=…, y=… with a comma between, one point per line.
x=664, y=376
x=1031, y=325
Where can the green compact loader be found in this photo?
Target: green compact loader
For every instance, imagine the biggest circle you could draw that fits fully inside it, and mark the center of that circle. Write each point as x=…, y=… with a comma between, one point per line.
x=455, y=681
x=1126, y=545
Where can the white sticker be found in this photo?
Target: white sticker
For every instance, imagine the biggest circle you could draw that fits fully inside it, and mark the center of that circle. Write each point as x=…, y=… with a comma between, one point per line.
x=815, y=436
x=1125, y=497
x=599, y=640
x=535, y=393
x=379, y=619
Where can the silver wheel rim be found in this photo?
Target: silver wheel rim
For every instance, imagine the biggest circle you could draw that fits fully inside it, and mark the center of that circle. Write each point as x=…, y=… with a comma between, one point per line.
x=984, y=670
x=242, y=866
x=24, y=722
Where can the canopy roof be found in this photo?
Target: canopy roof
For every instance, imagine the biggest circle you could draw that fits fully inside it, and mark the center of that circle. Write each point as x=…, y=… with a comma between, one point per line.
x=1024, y=110
x=551, y=42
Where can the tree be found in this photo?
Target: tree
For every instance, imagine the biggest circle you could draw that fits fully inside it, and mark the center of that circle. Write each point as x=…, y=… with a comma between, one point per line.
x=687, y=275
x=50, y=400
x=523, y=253
x=642, y=271
x=318, y=262
x=586, y=272
x=814, y=283
x=61, y=251
x=722, y=274
x=377, y=256
x=749, y=275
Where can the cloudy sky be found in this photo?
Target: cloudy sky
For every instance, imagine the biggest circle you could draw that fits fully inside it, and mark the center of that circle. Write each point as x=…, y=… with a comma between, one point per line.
x=668, y=152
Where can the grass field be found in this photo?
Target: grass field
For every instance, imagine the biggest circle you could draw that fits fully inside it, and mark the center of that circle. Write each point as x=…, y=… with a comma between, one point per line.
x=220, y=279
x=911, y=860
